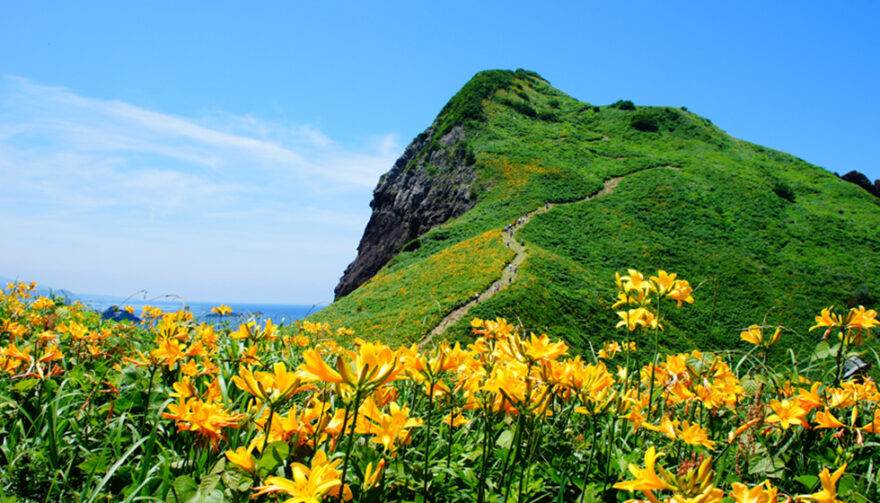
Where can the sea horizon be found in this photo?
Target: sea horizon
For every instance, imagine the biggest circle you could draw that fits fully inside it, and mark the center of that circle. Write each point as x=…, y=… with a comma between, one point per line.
x=278, y=312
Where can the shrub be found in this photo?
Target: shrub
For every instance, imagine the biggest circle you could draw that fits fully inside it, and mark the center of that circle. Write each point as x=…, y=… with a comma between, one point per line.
x=624, y=105
x=521, y=107
x=415, y=244
x=645, y=121
x=547, y=115
x=783, y=190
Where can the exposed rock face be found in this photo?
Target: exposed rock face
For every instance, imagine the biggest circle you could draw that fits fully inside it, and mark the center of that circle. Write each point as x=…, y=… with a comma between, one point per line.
x=428, y=185
x=862, y=181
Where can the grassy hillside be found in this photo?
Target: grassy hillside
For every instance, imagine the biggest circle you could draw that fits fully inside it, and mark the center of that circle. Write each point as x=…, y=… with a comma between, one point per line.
x=757, y=229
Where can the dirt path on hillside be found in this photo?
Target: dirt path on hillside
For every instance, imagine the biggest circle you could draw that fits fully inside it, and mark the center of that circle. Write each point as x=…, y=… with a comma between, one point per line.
x=508, y=276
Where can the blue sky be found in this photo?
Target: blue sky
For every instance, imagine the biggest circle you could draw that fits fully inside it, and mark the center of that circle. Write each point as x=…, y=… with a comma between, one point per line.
x=227, y=150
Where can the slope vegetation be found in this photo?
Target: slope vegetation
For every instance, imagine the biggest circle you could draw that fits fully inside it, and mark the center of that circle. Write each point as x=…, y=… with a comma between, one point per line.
x=757, y=229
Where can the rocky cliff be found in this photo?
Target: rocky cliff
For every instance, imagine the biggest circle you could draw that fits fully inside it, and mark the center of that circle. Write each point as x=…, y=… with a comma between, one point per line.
x=429, y=184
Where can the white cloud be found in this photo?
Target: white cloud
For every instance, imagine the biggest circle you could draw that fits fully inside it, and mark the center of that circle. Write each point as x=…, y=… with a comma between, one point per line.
x=85, y=177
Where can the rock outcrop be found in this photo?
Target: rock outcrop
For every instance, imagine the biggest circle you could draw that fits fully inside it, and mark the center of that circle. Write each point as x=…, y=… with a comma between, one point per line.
x=429, y=184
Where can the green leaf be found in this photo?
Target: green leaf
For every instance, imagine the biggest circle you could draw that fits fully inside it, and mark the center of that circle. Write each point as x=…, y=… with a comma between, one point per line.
x=822, y=351
x=592, y=493
x=767, y=467
x=183, y=489
x=25, y=385
x=750, y=386
x=273, y=456
x=236, y=480
x=808, y=481
x=846, y=485
x=95, y=463
x=505, y=439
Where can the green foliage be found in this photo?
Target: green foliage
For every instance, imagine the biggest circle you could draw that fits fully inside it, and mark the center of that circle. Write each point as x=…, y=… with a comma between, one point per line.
x=467, y=104
x=645, y=121
x=756, y=228
x=521, y=107
x=783, y=190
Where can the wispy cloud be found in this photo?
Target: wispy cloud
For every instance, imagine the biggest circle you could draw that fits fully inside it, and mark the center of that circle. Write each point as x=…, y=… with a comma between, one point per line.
x=86, y=170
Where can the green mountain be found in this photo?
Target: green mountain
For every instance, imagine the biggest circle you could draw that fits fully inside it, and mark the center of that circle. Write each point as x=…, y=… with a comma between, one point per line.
x=764, y=234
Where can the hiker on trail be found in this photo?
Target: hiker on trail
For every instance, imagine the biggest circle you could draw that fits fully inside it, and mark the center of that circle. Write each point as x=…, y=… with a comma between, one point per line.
x=523, y=242
x=547, y=205
x=476, y=297
x=514, y=268
x=508, y=244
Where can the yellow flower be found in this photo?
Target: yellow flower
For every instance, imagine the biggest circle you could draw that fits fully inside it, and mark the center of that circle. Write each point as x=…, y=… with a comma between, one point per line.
x=825, y=419
x=222, y=310
x=242, y=458
x=859, y=318
x=372, y=476
x=244, y=331
x=638, y=317
x=275, y=388
x=540, y=348
x=389, y=430
x=682, y=292
x=761, y=493
x=809, y=400
x=190, y=368
x=826, y=319
x=633, y=281
x=828, y=494
x=692, y=434
x=874, y=425
x=168, y=352
x=373, y=365
x=646, y=479
x=454, y=420
x=205, y=418
x=786, y=414
x=663, y=282
x=315, y=369
x=755, y=335
x=309, y=484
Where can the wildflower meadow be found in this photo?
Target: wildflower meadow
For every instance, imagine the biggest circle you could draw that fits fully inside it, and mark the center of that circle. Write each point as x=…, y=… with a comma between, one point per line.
x=176, y=410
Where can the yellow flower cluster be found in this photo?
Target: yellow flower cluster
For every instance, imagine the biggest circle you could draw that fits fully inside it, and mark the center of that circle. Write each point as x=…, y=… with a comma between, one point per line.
x=637, y=292
x=234, y=391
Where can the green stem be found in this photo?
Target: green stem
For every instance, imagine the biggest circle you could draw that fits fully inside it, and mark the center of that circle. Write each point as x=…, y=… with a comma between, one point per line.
x=357, y=399
x=517, y=440
x=840, y=352
x=428, y=440
x=449, y=439
x=592, y=454
x=147, y=401
x=268, y=429
x=651, y=388
x=481, y=492
x=608, y=453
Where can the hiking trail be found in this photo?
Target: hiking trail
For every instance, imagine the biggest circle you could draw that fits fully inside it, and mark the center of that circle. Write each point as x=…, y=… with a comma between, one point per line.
x=507, y=275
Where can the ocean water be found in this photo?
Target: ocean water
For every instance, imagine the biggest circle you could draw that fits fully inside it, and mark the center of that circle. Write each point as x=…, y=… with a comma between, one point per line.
x=278, y=313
